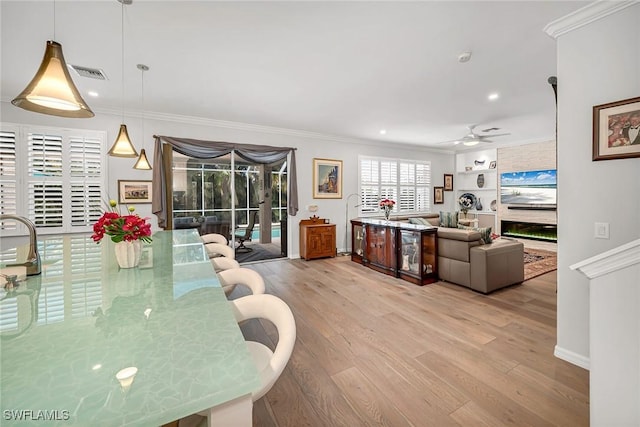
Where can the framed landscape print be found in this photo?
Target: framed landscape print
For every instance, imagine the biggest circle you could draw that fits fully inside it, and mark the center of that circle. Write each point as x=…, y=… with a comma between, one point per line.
x=616, y=130
x=438, y=195
x=134, y=192
x=327, y=179
x=448, y=182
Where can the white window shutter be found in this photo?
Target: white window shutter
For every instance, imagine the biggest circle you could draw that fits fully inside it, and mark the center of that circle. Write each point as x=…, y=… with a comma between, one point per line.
x=8, y=177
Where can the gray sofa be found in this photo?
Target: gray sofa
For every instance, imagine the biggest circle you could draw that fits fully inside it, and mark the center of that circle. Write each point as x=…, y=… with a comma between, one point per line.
x=464, y=259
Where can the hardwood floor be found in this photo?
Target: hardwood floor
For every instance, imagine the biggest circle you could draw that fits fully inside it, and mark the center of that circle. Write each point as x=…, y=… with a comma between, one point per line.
x=374, y=350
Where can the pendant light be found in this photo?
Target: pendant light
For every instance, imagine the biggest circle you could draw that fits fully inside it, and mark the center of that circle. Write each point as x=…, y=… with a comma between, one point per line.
x=143, y=162
x=123, y=146
x=52, y=91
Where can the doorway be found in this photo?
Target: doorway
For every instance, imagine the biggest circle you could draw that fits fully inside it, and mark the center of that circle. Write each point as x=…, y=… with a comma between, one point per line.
x=224, y=195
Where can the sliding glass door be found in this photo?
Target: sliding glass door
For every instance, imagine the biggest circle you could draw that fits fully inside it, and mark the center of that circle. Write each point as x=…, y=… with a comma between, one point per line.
x=206, y=197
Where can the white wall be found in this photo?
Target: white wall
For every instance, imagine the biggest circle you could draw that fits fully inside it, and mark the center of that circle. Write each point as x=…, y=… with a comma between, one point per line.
x=597, y=63
x=308, y=148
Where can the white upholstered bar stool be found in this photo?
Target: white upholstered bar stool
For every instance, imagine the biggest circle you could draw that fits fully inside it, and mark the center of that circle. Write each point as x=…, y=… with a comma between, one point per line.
x=221, y=263
x=229, y=279
x=218, y=249
x=270, y=364
x=214, y=238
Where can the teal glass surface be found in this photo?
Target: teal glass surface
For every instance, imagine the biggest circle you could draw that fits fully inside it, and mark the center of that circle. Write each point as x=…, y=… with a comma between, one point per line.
x=66, y=334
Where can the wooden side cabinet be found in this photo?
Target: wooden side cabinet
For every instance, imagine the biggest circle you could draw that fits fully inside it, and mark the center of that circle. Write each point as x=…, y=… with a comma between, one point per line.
x=317, y=238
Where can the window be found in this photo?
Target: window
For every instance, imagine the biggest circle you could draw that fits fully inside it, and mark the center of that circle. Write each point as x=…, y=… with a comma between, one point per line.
x=407, y=182
x=53, y=177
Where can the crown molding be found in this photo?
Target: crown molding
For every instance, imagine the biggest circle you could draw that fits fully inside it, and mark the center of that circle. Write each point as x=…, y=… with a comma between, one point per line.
x=615, y=259
x=585, y=15
x=225, y=124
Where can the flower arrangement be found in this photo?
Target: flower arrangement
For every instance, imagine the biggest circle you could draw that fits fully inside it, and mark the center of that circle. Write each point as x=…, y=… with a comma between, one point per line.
x=387, y=204
x=120, y=227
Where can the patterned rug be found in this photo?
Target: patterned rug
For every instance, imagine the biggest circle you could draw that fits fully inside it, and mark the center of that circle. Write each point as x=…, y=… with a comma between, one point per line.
x=538, y=262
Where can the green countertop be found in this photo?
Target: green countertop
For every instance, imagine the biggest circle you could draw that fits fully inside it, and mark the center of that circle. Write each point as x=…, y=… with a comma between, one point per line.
x=66, y=334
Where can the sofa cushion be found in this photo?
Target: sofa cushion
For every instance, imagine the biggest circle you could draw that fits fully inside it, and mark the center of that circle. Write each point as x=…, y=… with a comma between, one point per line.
x=419, y=221
x=449, y=219
x=485, y=232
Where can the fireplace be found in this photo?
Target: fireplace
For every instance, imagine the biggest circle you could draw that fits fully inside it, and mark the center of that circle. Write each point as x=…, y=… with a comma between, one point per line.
x=530, y=230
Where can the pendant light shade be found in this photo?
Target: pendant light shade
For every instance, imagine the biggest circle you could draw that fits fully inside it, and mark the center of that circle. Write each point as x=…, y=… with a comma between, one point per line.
x=143, y=162
x=51, y=90
x=123, y=146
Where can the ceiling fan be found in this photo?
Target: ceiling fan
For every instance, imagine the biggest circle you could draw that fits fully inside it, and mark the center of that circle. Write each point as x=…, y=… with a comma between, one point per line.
x=473, y=138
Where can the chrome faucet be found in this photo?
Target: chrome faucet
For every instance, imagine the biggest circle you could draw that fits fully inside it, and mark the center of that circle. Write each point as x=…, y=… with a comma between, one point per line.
x=32, y=263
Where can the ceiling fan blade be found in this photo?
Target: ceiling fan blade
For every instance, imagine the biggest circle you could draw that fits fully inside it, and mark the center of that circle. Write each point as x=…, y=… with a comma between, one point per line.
x=494, y=135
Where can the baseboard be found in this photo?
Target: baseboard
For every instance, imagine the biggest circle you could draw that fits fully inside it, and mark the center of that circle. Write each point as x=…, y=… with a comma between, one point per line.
x=571, y=357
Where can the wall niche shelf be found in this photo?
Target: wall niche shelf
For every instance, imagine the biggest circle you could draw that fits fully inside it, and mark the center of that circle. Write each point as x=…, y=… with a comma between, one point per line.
x=467, y=182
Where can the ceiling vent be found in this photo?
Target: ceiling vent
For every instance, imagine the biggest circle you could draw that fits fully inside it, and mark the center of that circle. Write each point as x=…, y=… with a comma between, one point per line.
x=91, y=73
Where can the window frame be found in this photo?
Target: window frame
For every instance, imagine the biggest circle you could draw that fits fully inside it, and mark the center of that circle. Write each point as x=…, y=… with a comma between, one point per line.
x=405, y=191
x=68, y=179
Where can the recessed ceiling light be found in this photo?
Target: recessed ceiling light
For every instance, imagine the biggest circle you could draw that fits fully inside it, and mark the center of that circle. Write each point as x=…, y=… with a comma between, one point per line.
x=92, y=93
x=493, y=96
x=383, y=131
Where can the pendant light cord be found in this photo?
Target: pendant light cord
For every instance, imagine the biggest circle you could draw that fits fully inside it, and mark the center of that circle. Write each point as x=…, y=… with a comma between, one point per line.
x=122, y=64
x=142, y=70
x=54, y=20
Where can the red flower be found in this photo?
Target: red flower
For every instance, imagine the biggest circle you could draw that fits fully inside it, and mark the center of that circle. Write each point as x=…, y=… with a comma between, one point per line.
x=121, y=227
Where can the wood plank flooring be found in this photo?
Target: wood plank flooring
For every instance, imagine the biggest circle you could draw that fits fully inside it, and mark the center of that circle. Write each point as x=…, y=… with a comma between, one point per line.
x=374, y=350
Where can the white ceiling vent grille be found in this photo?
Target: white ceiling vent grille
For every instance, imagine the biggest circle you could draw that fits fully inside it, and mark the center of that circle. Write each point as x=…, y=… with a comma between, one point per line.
x=92, y=73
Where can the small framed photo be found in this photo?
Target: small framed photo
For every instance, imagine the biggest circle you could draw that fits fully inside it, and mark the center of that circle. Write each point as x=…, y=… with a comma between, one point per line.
x=438, y=195
x=616, y=130
x=492, y=164
x=134, y=192
x=327, y=179
x=448, y=182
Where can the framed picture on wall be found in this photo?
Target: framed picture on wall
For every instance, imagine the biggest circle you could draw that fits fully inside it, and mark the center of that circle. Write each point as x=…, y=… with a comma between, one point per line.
x=134, y=192
x=327, y=179
x=616, y=130
x=448, y=182
x=438, y=195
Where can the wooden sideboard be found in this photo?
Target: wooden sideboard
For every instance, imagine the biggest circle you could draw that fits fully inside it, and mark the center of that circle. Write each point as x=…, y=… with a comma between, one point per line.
x=399, y=249
x=317, y=238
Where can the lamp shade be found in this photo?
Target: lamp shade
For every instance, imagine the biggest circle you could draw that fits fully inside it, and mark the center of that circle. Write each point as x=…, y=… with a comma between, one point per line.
x=51, y=90
x=123, y=146
x=143, y=162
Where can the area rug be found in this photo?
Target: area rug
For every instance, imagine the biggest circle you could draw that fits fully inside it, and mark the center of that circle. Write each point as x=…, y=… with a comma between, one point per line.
x=538, y=262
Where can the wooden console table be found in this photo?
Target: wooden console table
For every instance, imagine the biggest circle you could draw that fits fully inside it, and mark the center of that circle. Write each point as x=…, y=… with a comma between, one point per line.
x=399, y=249
x=317, y=238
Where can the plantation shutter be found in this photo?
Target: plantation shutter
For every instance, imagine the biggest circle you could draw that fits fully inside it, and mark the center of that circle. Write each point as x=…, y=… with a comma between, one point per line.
x=369, y=182
x=406, y=182
x=85, y=157
x=55, y=178
x=8, y=177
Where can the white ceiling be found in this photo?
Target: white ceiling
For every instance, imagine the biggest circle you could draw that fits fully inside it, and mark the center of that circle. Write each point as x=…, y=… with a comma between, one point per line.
x=339, y=68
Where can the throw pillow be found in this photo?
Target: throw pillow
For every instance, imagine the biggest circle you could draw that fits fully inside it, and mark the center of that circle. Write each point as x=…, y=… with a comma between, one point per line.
x=415, y=221
x=449, y=219
x=485, y=233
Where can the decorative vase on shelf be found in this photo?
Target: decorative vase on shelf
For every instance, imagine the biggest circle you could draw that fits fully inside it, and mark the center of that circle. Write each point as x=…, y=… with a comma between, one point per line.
x=480, y=180
x=478, y=205
x=128, y=253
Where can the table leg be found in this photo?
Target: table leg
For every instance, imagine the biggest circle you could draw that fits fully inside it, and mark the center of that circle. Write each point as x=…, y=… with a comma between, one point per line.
x=235, y=413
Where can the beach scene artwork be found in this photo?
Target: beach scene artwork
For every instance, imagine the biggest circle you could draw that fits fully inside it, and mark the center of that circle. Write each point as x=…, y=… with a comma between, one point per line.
x=528, y=187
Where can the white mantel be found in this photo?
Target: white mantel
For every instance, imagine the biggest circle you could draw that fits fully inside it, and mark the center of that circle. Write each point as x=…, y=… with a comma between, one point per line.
x=614, y=327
